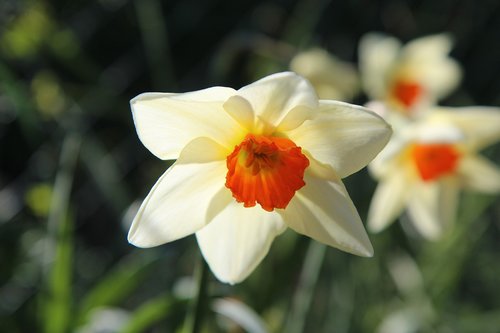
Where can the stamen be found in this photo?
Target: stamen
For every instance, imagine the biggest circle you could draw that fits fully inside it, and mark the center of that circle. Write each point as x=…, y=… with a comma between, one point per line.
x=434, y=160
x=265, y=170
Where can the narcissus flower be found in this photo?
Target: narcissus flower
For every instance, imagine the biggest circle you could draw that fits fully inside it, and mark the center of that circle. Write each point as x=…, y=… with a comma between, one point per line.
x=332, y=78
x=427, y=162
x=407, y=78
x=251, y=162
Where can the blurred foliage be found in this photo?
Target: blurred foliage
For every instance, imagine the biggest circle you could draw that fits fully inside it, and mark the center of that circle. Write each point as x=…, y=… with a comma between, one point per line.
x=73, y=170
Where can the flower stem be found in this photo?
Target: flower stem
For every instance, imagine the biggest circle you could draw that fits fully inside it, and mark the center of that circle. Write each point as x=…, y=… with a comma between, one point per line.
x=196, y=312
x=303, y=296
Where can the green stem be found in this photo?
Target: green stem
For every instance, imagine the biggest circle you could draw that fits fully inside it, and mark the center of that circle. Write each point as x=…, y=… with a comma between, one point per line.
x=309, y=275
x=194, y=318
x=57, y=277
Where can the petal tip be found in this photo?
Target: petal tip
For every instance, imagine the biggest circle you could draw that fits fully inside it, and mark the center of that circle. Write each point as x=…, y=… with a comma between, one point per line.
x=367, y=250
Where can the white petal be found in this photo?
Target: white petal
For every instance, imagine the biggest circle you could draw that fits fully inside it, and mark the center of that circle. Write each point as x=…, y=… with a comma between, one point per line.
x=389, y=200
x=377, y=56
x=440, y=77
x=390, y=158
x=423, y=208
x=479, y=174
x=480, y=125
x=428, y=60
x=344, y=136
x=274, y=96
x=330, y=77
x=165, y=123
x=437, y=133
x=179, y=202
x=237, y=240
x=428, y=47
x=241, y=110
x=324, y=211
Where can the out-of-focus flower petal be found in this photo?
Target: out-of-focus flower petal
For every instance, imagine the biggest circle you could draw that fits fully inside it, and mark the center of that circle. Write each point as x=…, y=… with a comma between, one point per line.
x=166, y=122
x=441, y=77
x=344, y=136
x=408, y=78
x=435, y=70
x=479, y=124
x=330, y=77
x=389, y=200
x=428, y=47
x=241, y=314
x=185, y=189
x=377, y=54
x=423, y=208
x=479, y=174
x=274, y=96
x=324, y=211
x=237, y=240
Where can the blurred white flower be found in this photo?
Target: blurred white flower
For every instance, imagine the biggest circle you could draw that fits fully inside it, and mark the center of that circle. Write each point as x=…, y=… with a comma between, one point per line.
x=270, y=143
x=408, y=78
x=428, y=161
x=105, y=320
x=331, y=77
x=240, y=314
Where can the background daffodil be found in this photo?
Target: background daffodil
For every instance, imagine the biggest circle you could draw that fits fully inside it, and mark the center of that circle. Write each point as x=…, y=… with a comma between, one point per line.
x=407, y=78
x=331, y=77
x=426, y=164
x=251, y=162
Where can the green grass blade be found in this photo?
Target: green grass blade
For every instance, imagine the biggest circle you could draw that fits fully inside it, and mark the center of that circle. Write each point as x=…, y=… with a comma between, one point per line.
x=114, y=287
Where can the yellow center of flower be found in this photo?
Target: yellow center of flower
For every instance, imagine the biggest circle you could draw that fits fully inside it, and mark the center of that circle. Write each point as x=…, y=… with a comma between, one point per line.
x=407, y=92
x=265, y=170
x=434, y=160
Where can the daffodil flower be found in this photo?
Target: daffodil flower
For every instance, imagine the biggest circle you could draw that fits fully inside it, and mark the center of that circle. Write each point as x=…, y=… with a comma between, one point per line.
x=332, y=78
x=427, y=162
x=251, y=162
x=407, y=78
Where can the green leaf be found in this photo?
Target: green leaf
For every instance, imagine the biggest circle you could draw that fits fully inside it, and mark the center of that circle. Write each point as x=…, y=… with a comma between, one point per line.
x=115, y=286
x=57, y=299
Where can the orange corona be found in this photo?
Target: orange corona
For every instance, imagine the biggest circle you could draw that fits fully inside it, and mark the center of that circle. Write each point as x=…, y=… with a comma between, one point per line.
x=407, y=92
x=265, y=170
x=434, y=160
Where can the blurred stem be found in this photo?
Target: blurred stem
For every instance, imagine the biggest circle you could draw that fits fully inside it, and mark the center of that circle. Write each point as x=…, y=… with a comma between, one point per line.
x=300, y=27
x=155, y=38
x=443, y=261
x=56, y=309
x=302, y=298
x=196, y=312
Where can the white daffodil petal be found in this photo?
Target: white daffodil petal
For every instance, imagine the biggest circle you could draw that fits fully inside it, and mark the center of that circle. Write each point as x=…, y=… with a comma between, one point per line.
x=389, y=200
x=423, y=208
x=377, y=56
x=440, y=77
x=165, y=123
x=324, y=211
x=344, y=136
x=237, y=240
x=330, y=77
x=178, y=203
x=479, y=174
x=437, y=133
x=480, y=125
x=274, y=96
x=241, y=110
x=428, y=48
